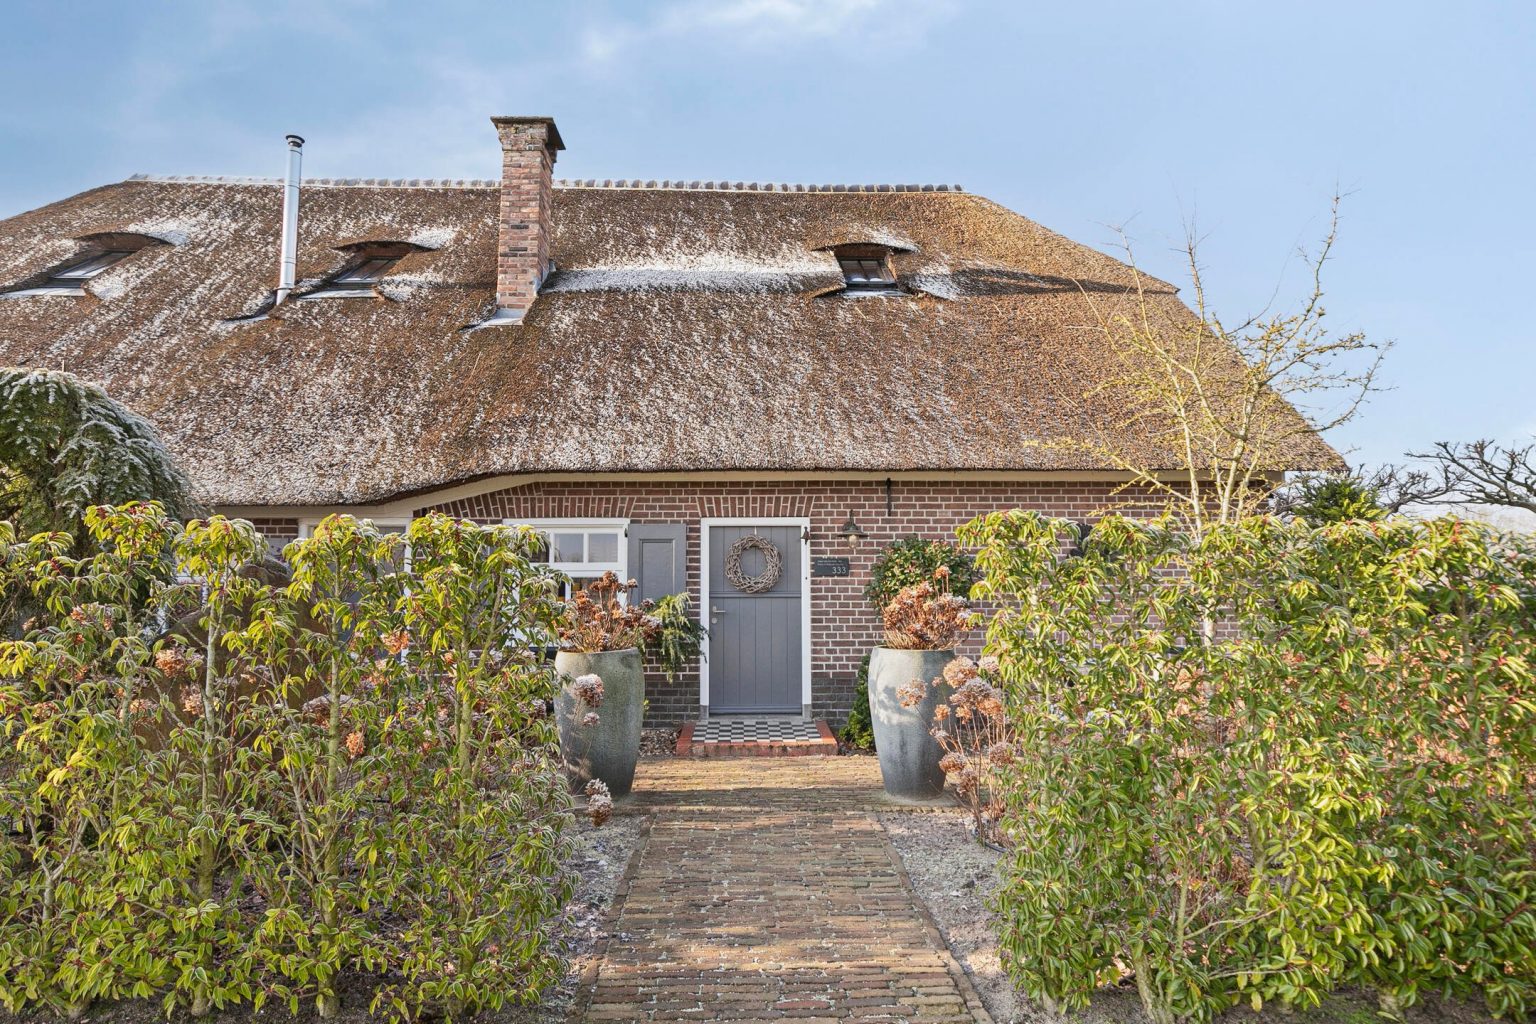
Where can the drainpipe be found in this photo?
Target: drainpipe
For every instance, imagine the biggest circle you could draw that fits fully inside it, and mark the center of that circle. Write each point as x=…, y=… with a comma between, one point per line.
x=288, y=262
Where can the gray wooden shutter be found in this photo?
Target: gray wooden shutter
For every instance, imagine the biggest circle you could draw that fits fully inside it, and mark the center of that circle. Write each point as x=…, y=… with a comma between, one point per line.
x=658, y=558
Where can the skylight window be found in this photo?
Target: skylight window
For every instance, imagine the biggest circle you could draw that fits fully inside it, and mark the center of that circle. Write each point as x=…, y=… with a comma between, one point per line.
x=360, y=278
x=70, y=279
x=862, y=273
x=866, y=268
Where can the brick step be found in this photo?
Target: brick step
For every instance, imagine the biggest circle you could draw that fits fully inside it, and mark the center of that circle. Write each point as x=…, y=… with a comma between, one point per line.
x=760, y=738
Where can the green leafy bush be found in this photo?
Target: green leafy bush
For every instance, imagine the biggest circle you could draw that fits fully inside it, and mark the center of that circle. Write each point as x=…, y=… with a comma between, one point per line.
x=678, y=642
x=1320, y=499
x=912, y=561
x=350, y=771
x=1332, y=786
x=859, y=730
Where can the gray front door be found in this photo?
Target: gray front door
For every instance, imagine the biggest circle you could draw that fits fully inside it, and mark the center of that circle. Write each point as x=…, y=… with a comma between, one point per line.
x=755, y=640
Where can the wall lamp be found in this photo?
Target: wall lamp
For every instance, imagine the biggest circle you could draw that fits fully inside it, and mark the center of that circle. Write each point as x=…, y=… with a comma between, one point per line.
x=851, y=531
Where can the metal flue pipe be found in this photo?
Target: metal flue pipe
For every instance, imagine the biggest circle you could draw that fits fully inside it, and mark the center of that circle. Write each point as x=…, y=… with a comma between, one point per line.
x=288, y=260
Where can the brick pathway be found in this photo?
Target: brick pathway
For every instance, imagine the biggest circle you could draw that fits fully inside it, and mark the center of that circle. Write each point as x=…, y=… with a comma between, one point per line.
x=768, y=891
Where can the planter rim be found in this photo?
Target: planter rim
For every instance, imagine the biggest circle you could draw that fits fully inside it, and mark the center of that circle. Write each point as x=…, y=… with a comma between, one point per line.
x=918, y=650
x=616, y=650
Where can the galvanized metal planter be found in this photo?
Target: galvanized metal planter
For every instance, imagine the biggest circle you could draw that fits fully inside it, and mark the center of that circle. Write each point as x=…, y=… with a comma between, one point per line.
x=606, y=750
x=909, y=755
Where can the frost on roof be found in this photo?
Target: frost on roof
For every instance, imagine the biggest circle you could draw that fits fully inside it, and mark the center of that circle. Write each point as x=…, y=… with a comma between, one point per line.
x=686, y=330
x=629, y=183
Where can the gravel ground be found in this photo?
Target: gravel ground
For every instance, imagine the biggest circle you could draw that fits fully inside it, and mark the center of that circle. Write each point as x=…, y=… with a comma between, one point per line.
x=953, y=875
x=599, y=858
x=661, y=742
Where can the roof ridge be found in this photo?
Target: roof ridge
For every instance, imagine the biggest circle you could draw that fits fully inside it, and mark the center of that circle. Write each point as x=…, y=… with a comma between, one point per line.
x=744, y=186
x=607, y=183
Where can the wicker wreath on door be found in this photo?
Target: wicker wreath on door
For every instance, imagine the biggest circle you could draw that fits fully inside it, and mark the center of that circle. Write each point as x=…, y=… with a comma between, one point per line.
x=773, y=565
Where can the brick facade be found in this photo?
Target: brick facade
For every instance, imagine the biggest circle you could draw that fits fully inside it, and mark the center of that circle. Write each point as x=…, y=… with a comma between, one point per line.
x=277, y=531
x=843, y=626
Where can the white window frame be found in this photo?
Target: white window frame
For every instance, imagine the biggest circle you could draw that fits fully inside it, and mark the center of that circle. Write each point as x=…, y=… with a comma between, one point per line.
x=620, y=567
x=389, y=524
x=385, y=524
x=70, y=279
x=353, y=282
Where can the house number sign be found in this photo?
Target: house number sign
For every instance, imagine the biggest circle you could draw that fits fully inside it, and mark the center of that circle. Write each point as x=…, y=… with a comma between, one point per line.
x=829, y=567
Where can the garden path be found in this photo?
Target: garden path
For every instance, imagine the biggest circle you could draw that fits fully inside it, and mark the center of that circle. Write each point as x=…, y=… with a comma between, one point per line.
x=767, y=890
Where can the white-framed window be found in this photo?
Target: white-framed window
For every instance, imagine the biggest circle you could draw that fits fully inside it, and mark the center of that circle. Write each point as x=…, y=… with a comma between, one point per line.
x=360, y=277
x=866, y=269
x=70, y=279
x=307, y=526
x=384, y=526
x=583, y=549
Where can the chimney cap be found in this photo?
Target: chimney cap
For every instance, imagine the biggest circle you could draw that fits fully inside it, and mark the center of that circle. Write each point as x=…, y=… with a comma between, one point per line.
x=552, y=138
x=295, y=140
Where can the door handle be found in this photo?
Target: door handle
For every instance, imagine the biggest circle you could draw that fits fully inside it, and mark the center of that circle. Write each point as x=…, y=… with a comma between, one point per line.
x=714, y=614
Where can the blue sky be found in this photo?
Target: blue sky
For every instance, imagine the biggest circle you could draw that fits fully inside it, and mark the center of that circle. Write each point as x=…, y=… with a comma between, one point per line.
x=1245, y=116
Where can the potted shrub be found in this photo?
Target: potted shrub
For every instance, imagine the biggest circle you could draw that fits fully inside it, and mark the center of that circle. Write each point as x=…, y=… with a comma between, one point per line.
x=913, y=560
x=905, y=562
x=924, y=623
x=601, y=705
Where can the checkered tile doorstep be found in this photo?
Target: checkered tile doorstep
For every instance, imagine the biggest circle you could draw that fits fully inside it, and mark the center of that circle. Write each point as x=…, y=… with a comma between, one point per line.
x=754, y=730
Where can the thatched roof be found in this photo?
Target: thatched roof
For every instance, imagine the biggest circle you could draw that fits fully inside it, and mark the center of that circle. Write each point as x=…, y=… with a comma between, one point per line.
x=687, y=329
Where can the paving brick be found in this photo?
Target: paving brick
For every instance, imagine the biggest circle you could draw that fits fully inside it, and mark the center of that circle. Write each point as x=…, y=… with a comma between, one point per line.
x=767, y=891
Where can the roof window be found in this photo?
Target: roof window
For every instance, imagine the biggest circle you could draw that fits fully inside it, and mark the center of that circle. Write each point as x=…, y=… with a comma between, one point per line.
x=70, y=278
x=866, y=268
x=360, y=278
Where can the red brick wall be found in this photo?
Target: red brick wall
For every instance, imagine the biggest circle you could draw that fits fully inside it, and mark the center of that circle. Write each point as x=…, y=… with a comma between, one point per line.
x=843, y=626
x=278, y=532
x=527, y=184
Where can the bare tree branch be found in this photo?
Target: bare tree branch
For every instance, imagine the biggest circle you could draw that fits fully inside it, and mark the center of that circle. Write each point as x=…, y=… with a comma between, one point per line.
x=1229, y=407
x=1481, y=472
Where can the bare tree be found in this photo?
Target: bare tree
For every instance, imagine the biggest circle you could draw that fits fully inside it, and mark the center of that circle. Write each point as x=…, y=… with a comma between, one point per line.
x=1224, y=410
x=1480, y=472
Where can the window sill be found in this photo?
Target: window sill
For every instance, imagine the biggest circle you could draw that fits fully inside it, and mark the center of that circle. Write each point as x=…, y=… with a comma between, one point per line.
x=29, y=293
x=338, y=293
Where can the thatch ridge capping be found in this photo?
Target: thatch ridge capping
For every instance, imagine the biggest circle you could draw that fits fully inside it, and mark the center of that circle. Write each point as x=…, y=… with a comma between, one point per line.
x=479, y=183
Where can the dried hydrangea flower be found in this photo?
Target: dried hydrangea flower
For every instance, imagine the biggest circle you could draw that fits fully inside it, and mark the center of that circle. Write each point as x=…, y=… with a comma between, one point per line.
x=192, y=702
x=171, y=661
x=356, y=744
x=966, y=781
x=397, y=641
x=911, y=694
x=589, y=690
x=953, y=762
x=959, y=671
x=318, y=709
x=589, y=719
x=599, y=802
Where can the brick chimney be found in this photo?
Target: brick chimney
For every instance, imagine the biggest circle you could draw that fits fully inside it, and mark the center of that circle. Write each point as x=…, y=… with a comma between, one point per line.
x=528, y=148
